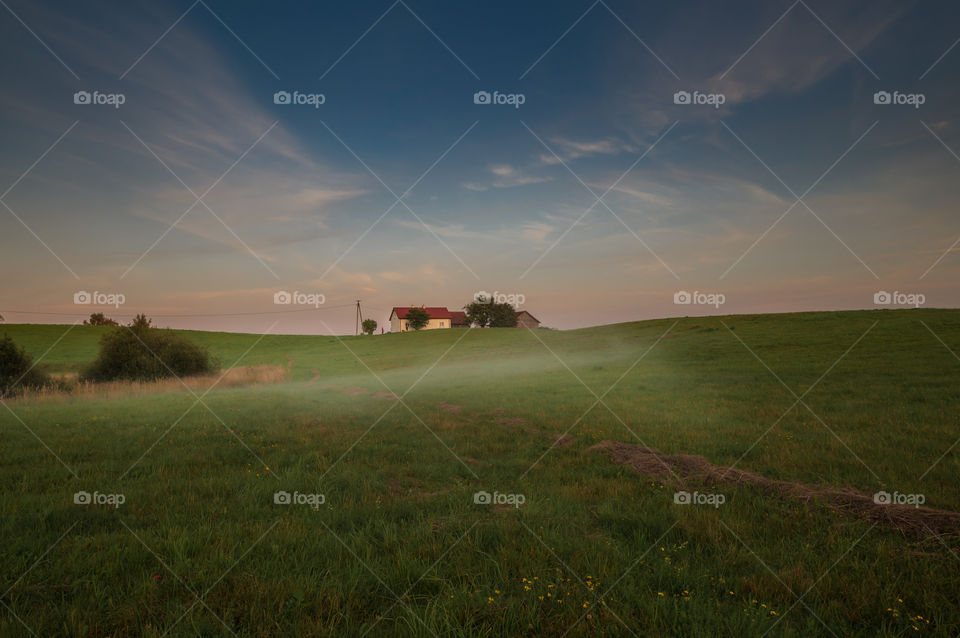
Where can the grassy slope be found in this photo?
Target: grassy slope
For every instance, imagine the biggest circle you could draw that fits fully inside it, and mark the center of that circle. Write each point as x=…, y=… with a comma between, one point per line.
x=399, y=498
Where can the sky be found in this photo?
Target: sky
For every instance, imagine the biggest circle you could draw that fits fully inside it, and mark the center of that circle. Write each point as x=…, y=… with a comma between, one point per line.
x=601, y=161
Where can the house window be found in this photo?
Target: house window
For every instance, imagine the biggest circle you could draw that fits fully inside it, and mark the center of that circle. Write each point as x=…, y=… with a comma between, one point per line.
x=406, y=326
x=441, y=324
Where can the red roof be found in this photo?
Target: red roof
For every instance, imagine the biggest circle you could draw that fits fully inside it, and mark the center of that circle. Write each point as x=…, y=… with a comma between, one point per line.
x=435, y=313
x=458, y=317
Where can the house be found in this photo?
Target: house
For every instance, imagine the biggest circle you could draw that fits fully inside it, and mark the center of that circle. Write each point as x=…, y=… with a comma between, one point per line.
x=439, y=318
x=443, y=318
x=526, y=320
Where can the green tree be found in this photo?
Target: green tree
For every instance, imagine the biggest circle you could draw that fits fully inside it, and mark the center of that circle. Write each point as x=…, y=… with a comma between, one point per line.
x=99, y=319
x=417, y=318
x=141, y=323
x=369, y=325
x=487, y=314
x=17, y=372
x=503, y=315
x=142, y=352
x=478, y=314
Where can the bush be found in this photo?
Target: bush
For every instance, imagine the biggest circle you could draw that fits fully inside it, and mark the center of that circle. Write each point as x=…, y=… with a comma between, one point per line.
x=16, y=373
x=99, y=319
x=141, y=352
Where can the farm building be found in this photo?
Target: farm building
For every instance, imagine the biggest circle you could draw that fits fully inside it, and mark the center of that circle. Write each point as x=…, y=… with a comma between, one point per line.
x=439, y=318
x=443, y=318
x=526, y=320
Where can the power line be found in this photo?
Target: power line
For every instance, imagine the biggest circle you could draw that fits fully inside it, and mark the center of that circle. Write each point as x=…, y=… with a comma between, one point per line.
x=226, y=314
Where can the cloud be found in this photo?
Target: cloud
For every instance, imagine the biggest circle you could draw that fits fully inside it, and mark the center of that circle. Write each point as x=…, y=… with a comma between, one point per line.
x=536, y=232
x=800, y=51
x=449, y=231
x=506, y=176
x=568, y=150
x=186, y=103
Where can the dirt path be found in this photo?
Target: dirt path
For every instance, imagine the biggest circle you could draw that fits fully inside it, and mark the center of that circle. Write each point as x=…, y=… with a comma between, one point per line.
x=915, y=521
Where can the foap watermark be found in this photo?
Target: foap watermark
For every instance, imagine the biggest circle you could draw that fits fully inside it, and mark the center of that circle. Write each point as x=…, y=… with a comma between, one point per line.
x=86, y=498
x=97, y=298
x=515, y=299
x=886, y=498
x=901, y=99
x=697, y=298
x=300, y=99
x=696, y=498
x=486, y=498
x=699, y=99
x=511, y=99
x=897, y=298
x=99, y=98
x=297, y=498
x=297, y=298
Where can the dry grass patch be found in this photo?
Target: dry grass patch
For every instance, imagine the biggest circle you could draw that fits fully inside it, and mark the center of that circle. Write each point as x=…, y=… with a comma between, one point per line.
x=915, y=521
x=234, y=377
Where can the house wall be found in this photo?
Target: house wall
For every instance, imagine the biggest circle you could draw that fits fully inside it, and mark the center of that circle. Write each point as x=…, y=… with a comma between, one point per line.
x=526, y=321
x=400, y=325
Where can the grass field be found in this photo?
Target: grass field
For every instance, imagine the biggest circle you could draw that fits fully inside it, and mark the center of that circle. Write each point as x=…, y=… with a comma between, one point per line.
x=866, y=400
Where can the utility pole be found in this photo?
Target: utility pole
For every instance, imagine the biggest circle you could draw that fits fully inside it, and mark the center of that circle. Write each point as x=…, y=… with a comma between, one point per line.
x=359, y=317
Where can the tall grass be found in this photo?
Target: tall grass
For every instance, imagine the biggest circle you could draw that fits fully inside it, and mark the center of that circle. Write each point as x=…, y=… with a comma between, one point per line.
x=70, y=386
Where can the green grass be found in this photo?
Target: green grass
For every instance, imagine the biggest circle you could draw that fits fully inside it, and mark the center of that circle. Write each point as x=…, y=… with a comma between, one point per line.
x=399, y=518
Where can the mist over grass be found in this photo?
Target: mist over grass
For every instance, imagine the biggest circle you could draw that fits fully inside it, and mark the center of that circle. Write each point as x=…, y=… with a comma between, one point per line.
x=481, y=411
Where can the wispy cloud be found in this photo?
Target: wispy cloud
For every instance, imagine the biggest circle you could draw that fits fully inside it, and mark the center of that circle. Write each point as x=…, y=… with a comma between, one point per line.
x=506, y=176
x=569, y=150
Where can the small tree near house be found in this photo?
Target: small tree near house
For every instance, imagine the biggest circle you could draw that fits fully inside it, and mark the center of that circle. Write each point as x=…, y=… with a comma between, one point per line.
x=417, y=318
x=369, y=325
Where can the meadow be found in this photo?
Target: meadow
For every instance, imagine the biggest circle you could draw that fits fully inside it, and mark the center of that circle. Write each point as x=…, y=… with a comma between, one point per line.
x=383, y=443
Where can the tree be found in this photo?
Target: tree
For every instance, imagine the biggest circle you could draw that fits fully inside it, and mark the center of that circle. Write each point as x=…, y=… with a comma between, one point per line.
x=478, y=314
x=369, y=325
x=141, y=323
x=17, y=371
x=417, y=318
x=491, y=315
x=142, y=352
x=99, y=319
x=503, y=315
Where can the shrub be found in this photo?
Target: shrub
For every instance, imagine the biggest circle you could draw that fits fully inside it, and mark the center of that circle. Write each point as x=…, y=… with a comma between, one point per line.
x=144, y=353
x=16, y=371
x=369, y=326
x=99, y=319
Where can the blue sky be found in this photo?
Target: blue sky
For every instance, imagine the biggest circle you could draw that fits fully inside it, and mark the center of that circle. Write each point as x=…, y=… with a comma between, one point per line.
x=491, y=196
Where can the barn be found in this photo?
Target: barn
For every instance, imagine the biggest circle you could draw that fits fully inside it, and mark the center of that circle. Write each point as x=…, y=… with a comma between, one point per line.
x=526, y=320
